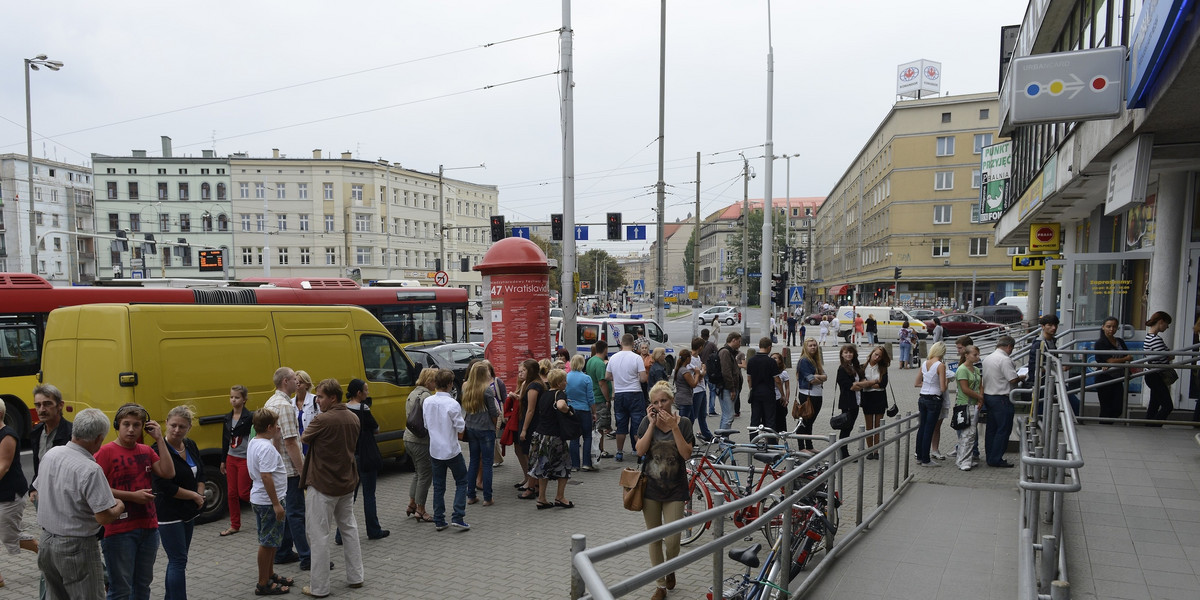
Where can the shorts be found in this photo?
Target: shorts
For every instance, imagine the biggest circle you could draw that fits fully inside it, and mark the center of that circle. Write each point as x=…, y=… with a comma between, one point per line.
x=629, y=407
x=270, y=529
x=604, y=417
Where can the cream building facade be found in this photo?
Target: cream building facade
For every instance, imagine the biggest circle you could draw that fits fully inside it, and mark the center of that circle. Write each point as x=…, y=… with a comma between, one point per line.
x=64, y=217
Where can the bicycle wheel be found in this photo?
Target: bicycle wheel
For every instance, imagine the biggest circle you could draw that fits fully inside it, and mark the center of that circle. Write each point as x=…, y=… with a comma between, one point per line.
x=698, y=500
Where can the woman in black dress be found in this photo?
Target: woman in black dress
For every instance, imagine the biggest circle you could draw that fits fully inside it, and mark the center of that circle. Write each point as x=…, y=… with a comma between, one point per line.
x=1112, y=396
x=849, y=382
x=874, y=393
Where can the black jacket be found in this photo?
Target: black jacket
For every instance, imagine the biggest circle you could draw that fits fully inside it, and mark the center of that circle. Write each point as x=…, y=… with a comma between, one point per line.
x=241, y=429
x=62, y=435
x=169, y=507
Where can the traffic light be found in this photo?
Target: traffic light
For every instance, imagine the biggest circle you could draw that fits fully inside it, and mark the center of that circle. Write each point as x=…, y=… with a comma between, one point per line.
x=803, y=256
x=122, y=241
x=614, y=226
x=464, y=265
x=497, y=227
x=183, y=249
x=897, y=276
x=149, y=247
x=779, y=289
x=556, y=223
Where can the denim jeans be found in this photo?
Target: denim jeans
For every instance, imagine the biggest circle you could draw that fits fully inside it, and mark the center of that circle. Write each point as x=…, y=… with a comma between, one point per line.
x=929, y=408
x=699, y=413
x=999, y=426
x=129, y=563
x=585, y=425
x=458, y=468
x=628, y=410
x=482, y=444
x=368, y=479
x=293, y=532
x=726, y=400
x=176, y=539
x=714, y=392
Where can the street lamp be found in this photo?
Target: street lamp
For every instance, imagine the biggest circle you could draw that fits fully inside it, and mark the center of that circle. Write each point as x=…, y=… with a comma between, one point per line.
x=34, y=64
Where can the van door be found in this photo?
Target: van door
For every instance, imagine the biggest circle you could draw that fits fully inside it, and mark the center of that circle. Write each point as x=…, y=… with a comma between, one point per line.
x=392, y=377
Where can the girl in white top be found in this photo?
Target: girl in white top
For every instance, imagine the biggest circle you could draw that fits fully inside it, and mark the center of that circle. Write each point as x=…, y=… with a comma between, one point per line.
x=824, y=329
x=932, y=382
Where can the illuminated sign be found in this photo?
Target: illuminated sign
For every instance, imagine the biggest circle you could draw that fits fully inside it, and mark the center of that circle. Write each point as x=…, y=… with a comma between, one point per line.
x=212, y=260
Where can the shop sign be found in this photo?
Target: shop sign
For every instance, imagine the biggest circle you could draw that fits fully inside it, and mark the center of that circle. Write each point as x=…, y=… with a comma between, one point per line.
x=918, y=76
x=1158, y=25
x=1030, y=200
x=1067, y=86
x=1127, y=175
x=1032, y=262
x=1045, y=237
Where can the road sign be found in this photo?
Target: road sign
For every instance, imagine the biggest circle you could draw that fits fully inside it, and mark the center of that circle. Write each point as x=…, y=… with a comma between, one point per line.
x=585, y=285
x=581, y=232
x=521, y=232
x=693, y=295
x=754, y=275
x=135, y=263
x=639, y=286
x=441, y=278
x=137, y=274
x=818, y=281
x=635, y=232
x=739, y=271
x=796, y=295
x=679, y=289
x=1032, y=262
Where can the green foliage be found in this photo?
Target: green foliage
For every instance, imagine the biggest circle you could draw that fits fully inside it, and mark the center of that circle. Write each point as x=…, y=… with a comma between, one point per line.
x=754, y=252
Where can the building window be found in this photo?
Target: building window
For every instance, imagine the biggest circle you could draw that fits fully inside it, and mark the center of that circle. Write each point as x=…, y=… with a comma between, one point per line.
x=302, y=191
x=204, y=171
x=206, y=220
x=946, y=117
x=303, y=222
x=260, y=222
x=183, y=191
x=162, y=171
x=58, y=247
x=185, y=222
x=976, y=179
x=328, y=223
x=133, y=190
x=164, y=223
x=941, y=247
x=245, y=221
x=356, y=194
x=162, y=190
x=974, y=212
x=112, y=190
x=183, y=171
x=1016, y=251
x=135, y=222
x=981, y=140
x=220, y=192
x=114, y=221
x=283, y=256
x=205, y=191
x=362, y=255
x=943, y=180
x=328, y=187
x=362, y=224
x=222, y=223
x=281, y=221
x=247, y=256
x=979, y=246
x=258, y=252
x=305, y=256
x=984, y=113
x=945, y=145
x=54, y=221
x=132, y=171
x=243, y=190
x=330, y=256
x=280, y=191
x=260, y=190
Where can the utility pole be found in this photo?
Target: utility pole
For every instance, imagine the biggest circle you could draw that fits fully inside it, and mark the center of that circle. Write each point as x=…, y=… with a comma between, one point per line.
x=567, y=297
x=696, y=255
x=661, y=186
x=745, y=247
x=766, y=307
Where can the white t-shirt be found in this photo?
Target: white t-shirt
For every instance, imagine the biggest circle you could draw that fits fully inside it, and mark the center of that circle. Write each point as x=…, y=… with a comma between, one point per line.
x=824, y=327
x=262, y=457
x=785, y=378
x=696, y=364
x=625, y=367
x=998, y=373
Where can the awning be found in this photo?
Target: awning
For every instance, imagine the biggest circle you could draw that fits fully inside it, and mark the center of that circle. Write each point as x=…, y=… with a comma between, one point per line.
x=839, y=290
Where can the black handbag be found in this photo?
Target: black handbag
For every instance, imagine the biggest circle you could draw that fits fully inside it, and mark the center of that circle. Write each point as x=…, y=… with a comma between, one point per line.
x=893, y=410
x=568, y=424
x=961, y=418
x=839, y=421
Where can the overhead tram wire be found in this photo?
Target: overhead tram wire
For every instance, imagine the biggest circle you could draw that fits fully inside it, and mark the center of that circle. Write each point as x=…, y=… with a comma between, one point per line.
x=295, y=85
x=690, y=160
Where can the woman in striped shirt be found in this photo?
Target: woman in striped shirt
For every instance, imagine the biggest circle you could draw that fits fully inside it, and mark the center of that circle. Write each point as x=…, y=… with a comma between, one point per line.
x=1160, y=390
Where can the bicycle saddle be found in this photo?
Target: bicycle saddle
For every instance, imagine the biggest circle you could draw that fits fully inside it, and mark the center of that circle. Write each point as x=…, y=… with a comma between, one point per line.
x=726, y=432
x=747, y=556
x=768, y=457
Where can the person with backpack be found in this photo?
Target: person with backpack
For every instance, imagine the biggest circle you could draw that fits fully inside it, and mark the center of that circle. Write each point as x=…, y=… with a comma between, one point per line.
x=731, y=377
x=711, y=377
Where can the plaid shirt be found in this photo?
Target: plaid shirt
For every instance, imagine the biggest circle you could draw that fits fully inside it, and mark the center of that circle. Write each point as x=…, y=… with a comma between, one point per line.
x=289, y=426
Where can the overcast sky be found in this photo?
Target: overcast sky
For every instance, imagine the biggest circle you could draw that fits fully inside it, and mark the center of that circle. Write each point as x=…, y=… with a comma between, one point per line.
x=405, y=81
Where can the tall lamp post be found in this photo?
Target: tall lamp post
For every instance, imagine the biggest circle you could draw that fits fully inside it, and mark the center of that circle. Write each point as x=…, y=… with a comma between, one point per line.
x=33, y=64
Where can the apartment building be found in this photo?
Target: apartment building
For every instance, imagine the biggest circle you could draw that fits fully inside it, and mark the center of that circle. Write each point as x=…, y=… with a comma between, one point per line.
x=63, y=215
x=910, y=200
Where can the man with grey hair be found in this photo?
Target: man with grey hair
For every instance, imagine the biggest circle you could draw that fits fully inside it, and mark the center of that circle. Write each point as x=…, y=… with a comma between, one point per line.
x=52, y=429
x=999, y=378
x=288, y=444
x=75, y=501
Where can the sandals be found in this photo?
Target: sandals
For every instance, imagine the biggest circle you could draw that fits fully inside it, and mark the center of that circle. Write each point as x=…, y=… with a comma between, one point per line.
x=408, y=512
x=561, y=504
x=271, y=589
x=422, y=517
x=229, y=532
x=283, y=581
x=528, y=495
x=544, y=505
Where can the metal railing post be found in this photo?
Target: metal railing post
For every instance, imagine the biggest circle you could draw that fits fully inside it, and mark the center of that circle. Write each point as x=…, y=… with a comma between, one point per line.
x=879, y=478
x=785, y=535
x=862, y=472
x=718, y=527
x=907, y=450
x=1060, y=590
x=1048, y=558
x=578, y=544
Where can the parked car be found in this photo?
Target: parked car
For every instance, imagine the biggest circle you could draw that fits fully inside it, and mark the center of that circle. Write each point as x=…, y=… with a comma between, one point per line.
x=556, y=317
x=999, y=314
x=455, y=357
x=725, y=314
x=926, y=313
x=963, y=324
x=815, y=318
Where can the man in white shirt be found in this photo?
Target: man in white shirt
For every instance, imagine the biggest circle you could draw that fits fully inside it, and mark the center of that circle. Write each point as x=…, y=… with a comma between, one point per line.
x=444, y=420
x=627, y=372
x=999, y=378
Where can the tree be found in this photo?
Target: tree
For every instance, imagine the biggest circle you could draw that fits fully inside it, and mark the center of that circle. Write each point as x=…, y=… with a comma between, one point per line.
x=753, y=254
x=586, y=264
x=689, y=259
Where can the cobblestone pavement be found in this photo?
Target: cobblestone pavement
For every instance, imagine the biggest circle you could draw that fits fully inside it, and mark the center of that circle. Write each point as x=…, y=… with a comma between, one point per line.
x=511, y=551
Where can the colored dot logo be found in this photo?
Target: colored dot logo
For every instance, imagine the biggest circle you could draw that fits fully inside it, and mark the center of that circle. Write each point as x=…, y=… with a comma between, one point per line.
x=1056, y=87
x=1099, y=83
x=1033, y=89
x=1072, y=88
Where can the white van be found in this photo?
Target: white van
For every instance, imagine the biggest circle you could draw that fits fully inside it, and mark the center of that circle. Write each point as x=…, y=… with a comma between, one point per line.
x=1021, y=302
x=611, y=329
x=887, y=319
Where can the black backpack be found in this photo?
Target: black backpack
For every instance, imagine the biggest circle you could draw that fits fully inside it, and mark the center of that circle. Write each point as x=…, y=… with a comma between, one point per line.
x=713, y=366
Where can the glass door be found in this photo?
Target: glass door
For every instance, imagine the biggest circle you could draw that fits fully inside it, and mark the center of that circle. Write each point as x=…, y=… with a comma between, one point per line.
x=1097, y=286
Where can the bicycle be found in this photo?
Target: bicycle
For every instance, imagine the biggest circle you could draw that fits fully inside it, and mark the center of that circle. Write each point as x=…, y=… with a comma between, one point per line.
x=745, y=587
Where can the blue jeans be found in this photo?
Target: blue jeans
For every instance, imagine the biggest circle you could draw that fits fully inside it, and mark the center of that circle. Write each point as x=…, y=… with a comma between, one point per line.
x=999, y=426
x=714, y=392
x=482, y=444
x=905, y=353
x=176, y=539
x=628, y=409
x=458, y=468
x=726, y=400
x=129, y=563
x=929, y=408
x=585, y=425
x=699, y=413
x=294, y=533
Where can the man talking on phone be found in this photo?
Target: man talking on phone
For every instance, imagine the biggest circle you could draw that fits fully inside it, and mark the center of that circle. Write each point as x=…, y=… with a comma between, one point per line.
x=130, y=543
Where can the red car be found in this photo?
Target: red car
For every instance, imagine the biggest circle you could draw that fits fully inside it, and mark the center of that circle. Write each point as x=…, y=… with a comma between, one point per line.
x=962, y=324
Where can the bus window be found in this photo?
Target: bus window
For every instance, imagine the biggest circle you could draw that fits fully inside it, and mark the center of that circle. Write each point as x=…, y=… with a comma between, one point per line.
x=383, y=361
x=20, y=352
x=588, y=334
x=455, y=322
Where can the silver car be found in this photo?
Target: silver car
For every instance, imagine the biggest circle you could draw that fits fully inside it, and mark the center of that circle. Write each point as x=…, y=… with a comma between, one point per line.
x=725, y=314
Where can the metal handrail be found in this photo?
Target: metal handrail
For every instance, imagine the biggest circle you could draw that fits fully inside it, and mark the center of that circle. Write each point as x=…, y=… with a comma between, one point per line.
x=586, y=581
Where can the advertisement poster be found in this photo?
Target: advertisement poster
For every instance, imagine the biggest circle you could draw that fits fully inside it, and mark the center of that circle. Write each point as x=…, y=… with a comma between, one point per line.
x=518, y=306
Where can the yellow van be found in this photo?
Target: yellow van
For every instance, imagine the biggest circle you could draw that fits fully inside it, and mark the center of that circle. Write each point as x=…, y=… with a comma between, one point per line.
x=888, y=319
x=162, y=356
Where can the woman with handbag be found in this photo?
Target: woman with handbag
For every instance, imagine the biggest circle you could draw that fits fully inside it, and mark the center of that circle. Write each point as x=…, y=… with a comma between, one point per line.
x=548, y=456
x=968, y=399
x=810, y=381
x=874, y=393
x=849, y=382
x=1112, y=396
x=664, y=453
x=932, y=381
x=417, y=447
x=1160, y=380
x=480, y=414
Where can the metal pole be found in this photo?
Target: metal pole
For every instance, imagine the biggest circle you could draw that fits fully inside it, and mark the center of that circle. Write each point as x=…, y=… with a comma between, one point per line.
x=718, y=527
x=696, y=255
x=745, y=249
x=578, y=544
x=441, y=206
x=766, y=307
x=33, y=267
x=567, y=273
x=660, y=255
x=787, y=222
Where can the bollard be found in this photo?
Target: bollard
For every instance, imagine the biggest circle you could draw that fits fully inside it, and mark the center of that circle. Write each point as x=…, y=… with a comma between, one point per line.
x=1049, y=560
x=578, y=544
x=1060, y=590
x=718, y=525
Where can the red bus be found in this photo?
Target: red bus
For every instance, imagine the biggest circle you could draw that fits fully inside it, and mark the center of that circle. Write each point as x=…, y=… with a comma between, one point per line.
x=411, y=314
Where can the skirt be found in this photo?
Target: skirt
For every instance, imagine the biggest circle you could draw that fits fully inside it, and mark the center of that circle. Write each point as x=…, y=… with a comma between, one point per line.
x=874, y=403
x=548, y=457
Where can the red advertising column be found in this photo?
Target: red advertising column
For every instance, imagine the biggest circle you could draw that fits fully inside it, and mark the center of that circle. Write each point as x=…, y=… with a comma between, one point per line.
x=516, y=276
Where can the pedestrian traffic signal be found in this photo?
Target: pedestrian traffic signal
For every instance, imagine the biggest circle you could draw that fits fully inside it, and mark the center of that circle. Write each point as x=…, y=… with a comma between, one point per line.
x=556, y=226
x=897, y=273
x=614, y=226
x=497, y=227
